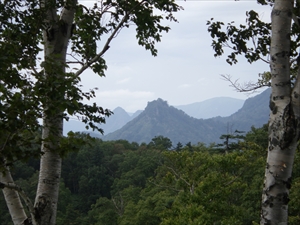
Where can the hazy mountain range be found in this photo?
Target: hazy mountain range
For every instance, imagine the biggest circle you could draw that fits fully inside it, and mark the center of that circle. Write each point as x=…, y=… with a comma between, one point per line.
x=220, y=106
x=200, y=110
x=159, y=118
x=119, y=118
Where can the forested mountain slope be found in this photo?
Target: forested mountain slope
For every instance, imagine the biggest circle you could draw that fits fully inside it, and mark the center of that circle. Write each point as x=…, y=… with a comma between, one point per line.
x=255, y=112
x=161, y=119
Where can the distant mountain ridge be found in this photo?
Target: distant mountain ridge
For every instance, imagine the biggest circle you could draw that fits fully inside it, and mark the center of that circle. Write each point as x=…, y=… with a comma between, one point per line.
x=220, y=106
x=255, y=112
x=117, y=120
x=205, y=109
x=159, y=118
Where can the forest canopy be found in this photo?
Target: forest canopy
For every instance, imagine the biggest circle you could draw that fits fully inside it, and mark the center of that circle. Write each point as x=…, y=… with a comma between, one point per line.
x=118, y=183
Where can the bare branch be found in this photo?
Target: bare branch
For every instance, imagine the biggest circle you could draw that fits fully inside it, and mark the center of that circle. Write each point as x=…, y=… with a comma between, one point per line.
x=245, y=87
x=178, y=175
x=231, y=181
x=164, y=187
x=121, y=208
x=77, y=61
x=74, y=62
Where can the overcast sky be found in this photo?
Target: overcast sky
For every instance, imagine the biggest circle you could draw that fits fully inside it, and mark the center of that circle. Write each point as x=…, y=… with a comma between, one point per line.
x=185, y=70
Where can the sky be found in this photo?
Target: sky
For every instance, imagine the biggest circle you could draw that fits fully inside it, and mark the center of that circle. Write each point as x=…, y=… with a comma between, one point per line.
x=185, y=70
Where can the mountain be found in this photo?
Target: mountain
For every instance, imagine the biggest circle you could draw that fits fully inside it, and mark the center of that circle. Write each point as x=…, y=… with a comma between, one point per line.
x=138, y=112
x=255, y=112
x=117, y=120
x=221, y=106
x=159, y=118
x=73, y=125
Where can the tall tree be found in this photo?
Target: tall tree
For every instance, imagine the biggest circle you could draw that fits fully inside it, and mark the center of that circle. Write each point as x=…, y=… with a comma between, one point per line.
x=284, y=78
x=31, y=88
x=284, y=123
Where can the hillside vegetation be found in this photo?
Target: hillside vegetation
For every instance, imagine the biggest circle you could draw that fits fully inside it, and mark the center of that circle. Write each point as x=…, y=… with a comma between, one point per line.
x=121, y=182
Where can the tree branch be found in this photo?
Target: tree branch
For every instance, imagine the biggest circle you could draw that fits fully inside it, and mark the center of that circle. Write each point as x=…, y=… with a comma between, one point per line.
x=246, y=87
x=77, y=61
x=121, y=208
x=105, y=48
x=108, y=41
x=231, y=181
x=178, y=175
x=255, y=47
x=164, y=187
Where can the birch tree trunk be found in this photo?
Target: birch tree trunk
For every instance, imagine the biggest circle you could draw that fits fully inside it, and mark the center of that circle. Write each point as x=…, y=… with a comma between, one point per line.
x=12, y=199
x=284, y=120
x=56, y=38
x=56, y=91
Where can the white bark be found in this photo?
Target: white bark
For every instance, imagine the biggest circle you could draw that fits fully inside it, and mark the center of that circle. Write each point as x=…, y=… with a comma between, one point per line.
x=12, y=199
x=55, y=48
x=283, y=123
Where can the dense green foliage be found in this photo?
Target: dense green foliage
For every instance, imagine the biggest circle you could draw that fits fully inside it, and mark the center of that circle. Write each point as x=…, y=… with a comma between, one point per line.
x=47, y=45
x=26, y=29
x=122, y=183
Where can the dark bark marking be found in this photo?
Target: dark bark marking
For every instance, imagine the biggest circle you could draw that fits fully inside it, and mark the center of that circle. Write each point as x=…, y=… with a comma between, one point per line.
x=282, y=84
x=270, y=187
x=63, y=28
x=50, y=33
x=276, y=12
x=290, y=127
x=288, y=183
x=43, y=208
x=27, y=221
x=274, y=141
x=268, y=222
x=273, y=58
x=283, y=53
x=275, y=110
x=296, y=95
x=283, y=197
x=277, y=97
x=273, y=107
x=47, y=181
x=73, y=29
